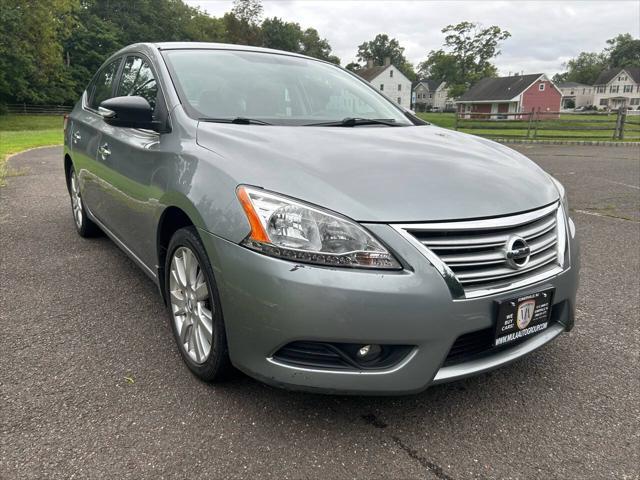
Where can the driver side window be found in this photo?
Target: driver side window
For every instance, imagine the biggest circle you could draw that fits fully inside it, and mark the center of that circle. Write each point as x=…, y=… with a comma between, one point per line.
x=137, y=79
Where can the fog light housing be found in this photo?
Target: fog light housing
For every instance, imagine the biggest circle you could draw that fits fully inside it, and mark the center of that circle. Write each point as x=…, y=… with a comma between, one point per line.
x=368, y=352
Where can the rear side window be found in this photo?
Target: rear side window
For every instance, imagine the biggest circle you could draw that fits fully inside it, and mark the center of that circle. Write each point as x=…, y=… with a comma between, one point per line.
x=138, y=79
x=103, y=86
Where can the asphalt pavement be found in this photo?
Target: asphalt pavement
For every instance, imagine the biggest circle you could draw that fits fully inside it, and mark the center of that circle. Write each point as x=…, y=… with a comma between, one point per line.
x=92, y=386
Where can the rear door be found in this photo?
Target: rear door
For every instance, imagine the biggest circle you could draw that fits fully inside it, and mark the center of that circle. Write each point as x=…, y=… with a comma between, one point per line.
x=86, y=131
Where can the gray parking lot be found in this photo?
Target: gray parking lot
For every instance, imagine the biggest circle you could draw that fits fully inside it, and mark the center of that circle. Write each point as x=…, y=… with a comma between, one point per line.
x=91, y=383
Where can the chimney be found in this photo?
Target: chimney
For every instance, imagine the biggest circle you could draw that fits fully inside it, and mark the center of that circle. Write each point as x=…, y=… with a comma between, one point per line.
x=387, y=61
x=370, y=63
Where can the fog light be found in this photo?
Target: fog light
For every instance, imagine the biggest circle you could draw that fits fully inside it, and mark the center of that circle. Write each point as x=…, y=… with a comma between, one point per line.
x=368, y=353
x=364, y=351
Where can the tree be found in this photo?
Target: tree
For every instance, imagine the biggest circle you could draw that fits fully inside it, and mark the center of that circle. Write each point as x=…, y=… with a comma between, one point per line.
x=585, y=68
x=243, y=22
x=439, y=66
x=623, y=51
x=290, y=37
x=281, y=35
x=31, y=56
x=353, y=66
x=382, y=47
x=314, y=46
x=473, y=47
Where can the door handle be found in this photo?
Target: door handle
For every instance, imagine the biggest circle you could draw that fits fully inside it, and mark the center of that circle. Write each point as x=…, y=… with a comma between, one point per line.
x=104, y=151
x=76, y=137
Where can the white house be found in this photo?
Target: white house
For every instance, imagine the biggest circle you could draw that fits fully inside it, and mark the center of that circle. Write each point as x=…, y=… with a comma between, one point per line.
x=431, y=94
x=575, y=95
x=616, y=88
x=389, y=80
x=441, y=98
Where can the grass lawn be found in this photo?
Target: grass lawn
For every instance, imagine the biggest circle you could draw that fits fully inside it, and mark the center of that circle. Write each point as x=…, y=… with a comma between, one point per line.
x=21, y=132
x=583, y=127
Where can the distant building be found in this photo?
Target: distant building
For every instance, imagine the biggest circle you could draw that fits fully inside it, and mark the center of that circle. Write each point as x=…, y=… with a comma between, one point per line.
x=519, y=93
x=616, y=88
x=575, y=95
x=389, y=80
x=431, y=94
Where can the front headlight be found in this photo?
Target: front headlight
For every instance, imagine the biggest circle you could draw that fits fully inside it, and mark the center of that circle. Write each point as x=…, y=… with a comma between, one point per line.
x=284, y=228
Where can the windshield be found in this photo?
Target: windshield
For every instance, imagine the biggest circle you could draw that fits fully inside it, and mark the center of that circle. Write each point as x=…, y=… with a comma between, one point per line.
x=273, y=88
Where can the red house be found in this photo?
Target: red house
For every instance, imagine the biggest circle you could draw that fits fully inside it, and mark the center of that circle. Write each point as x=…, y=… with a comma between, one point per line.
x=520, y=93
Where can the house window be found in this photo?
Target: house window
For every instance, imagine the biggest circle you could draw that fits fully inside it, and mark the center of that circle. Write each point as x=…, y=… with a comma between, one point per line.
x=603, y=101
x=399, y=100
x=382, y=87
x=399, y=87
x=627, y=88
x=635, y=101
x=541, y=87
x=391, y=73
x=614, y=88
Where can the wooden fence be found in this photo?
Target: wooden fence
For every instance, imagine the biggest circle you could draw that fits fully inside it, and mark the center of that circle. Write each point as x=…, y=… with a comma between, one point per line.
x=617, y=125
x=26, y=109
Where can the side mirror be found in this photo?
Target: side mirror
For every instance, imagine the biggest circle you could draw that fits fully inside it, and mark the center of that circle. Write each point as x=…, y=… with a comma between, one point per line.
x=129, y=111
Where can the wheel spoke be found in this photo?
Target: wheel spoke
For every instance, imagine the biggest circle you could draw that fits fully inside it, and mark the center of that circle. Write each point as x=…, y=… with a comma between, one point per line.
x=180, y=270
x=190, y=267
x=202, y=292
x=195, y=342
x=206, y=324
x=184, y=328
x=178, y=302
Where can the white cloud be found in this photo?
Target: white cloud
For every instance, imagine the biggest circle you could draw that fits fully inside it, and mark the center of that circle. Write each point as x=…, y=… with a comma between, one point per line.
x=544, y=33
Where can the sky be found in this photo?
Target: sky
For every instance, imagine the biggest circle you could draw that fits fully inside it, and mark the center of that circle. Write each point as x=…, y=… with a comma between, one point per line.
x=545, y=34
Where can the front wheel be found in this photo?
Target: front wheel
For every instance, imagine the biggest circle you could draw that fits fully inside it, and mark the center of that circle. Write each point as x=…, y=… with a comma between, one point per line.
x=84, y=226
x=194, y=304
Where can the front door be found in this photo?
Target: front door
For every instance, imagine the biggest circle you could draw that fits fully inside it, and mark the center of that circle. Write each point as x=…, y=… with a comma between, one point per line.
x=85, y=131
x=133, y=159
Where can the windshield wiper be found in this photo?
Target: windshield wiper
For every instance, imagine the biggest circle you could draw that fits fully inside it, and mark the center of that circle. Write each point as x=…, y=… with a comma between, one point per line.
x=236, y=120
x=355, y=121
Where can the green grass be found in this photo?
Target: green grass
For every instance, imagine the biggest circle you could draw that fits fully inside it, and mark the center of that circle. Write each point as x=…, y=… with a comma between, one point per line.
x=580, y=127
x=21, y=132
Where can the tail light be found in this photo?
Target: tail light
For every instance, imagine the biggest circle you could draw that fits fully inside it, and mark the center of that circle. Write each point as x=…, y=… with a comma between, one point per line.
x=65, y=122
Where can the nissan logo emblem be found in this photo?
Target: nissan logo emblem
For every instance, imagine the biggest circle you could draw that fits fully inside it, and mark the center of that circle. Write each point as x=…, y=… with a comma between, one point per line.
x=517, y=252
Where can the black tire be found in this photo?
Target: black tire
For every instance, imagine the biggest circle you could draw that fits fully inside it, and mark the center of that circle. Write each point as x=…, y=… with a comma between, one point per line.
x=217, y=365
x=84, y=226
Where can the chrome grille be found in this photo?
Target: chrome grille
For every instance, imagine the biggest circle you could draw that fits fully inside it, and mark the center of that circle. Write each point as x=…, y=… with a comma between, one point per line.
x=474, y=252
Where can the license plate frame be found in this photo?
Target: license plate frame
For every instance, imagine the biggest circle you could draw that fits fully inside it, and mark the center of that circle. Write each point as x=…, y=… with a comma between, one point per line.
x=523, y=316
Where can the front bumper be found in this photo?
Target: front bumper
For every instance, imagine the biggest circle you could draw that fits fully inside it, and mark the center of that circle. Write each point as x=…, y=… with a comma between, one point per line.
x=268, y=303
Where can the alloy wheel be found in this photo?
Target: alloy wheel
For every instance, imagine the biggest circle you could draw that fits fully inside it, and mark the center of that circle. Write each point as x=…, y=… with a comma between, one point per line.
x=191, y=305
x=76, y=200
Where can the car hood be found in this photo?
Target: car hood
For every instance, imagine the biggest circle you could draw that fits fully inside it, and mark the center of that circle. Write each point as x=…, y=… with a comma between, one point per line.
x=382, y=174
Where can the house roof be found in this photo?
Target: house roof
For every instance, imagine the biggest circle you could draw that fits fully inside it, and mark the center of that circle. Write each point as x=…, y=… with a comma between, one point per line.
x=571, y=85
x=432, y=85
x=370, y=73
x=607, y=75
x=500, y=88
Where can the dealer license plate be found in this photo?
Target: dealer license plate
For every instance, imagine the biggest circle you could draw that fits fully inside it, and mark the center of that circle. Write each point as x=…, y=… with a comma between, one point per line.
x=523, y=316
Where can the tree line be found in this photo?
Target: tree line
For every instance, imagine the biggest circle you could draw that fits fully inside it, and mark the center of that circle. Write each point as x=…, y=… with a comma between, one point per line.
x=49, y=49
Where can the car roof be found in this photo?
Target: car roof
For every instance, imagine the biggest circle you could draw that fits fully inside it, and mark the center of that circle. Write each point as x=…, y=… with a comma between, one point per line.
x=223, y=46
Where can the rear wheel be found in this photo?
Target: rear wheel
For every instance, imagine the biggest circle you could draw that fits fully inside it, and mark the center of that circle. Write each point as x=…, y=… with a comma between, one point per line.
x=84, y=226
x=194, y=304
